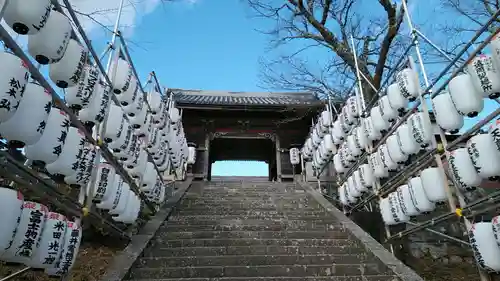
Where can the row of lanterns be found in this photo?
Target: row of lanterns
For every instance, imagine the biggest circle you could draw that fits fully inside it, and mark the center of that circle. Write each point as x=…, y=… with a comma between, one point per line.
x=33, y=235
x=139, y=127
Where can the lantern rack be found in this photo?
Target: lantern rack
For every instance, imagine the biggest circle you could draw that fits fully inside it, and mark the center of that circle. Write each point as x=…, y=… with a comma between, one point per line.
x=42, y=184
x=36, y=74
x=123, y=52
x=435, y=152
x=47, y=189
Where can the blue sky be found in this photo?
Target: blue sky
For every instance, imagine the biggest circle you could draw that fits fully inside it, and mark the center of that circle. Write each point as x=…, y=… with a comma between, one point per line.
x=198, y=44
x=212, y=44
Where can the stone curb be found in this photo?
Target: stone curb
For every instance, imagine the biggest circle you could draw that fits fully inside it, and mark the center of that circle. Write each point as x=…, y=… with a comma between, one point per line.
x=400, y=269
x=123, y=261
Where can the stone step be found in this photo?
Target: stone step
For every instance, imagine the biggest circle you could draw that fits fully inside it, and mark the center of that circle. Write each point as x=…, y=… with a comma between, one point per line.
x=249, y=204
x=251, y=242
x=331, y=234
x=269, y=226
x=254, y=260
x=306, y=278
x=240, y=208
x=160, y=252
x=256, y=271
x=246, y=212
x=216, y=218
x=193, y=221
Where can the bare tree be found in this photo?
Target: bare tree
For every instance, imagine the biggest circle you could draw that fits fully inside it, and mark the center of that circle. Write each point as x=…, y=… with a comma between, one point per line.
x=467, y=17
x=375, y=26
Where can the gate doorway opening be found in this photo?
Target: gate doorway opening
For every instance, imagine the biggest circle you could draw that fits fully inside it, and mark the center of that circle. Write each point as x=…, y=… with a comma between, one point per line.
x=248, y=156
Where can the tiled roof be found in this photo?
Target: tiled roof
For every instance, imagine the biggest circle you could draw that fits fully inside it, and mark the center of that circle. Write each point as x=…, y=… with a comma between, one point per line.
x=196, y=97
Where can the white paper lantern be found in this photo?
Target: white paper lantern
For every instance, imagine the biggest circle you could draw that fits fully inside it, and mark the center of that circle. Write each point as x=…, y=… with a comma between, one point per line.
x=12, y=84
x=370, y=130
x=353, y=146
x=388, y=113
x=121, y=77
x=68, y=71
x=485, y=156
x=433, y=182
x=338, y=164
x=494, y=132
x=419, y=197
x=353, y=108
x=121, y=206
x=51, y=242
x=28, y=233
x=396, y=99
x=394, y=148
x=462, y=169
x=85, y=166
x=11, y=203
x=149, y=179
x=144, y=132
x=484, y=245
x=359, y=183
x=366, y=175
x=353, y=189
x=383, y=151
x=325, y=119
x=155, y=102
x=294, y=156
x=495, y=49
x=28, y=123
x=130, y=207
x=345, y=118
x=337, y=132
x=98, y=108
x=132, y=212
x=379, y=124
x=379, y=169
x=407, y=142
x=350, y=198
x=80, y=96
x=49, y=147
x=174, y=115
x=27, y=17
x=50, y=43
x=132, y=104
x=137, y=167
x=446, y=114
x=72, y=240
x=160, y=120
x=495, y=224
x=385, y=211
x=361, y=136
x=67, y=163
x=115, y=193
x=154, y=142
x=404, y=197
x=396, y=210
x=164, y=165
x=139, y=120
x=408, y=83
x=485, y=76
x=421, y=128
x=105, y=180
x=466, y=98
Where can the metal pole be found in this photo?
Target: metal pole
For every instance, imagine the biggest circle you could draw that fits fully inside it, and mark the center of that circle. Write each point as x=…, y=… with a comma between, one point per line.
x=368, y=147
x=104, y=71
x=19, y=272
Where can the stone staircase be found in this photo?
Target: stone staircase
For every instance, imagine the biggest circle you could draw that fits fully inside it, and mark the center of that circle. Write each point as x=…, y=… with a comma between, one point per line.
x=239, y=230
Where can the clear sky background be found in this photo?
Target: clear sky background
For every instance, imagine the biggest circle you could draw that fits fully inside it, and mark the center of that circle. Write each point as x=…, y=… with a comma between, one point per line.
x=213, y=45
